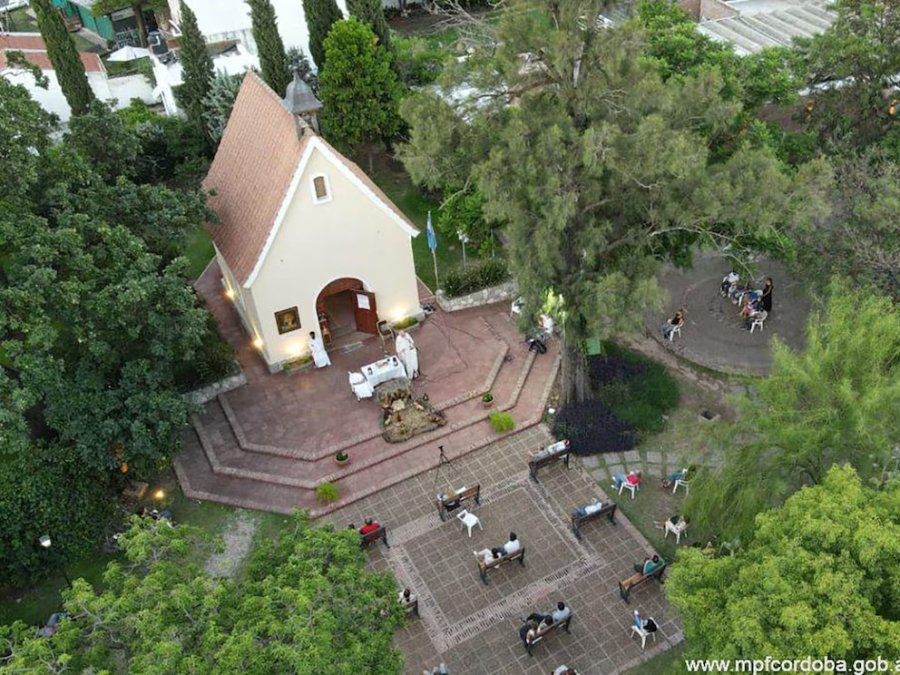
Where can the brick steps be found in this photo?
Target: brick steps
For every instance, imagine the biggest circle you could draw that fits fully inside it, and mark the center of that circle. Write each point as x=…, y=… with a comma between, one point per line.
x=213, y=466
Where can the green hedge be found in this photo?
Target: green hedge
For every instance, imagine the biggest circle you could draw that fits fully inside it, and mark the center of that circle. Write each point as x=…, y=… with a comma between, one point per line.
x=477, y=276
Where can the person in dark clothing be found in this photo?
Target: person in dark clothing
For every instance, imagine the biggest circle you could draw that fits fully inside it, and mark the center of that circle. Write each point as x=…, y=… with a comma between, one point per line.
x=767, y=294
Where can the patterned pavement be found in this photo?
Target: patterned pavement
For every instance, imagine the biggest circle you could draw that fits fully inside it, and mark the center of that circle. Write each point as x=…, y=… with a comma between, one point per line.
x=473, y=627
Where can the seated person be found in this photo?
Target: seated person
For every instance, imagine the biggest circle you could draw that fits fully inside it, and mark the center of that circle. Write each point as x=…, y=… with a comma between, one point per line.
x=513, y=545
x=728, y=281
x=564, y=670
x=583, y=511
x=676, y=321
x=406, y=597
x=547, y=325
x=486, y=555
x=669, y=480
x=450, y=498
x=537, y=617
x=528, y=631
x=369, y=527
x=561, y=613
x=649, y=565
x=544, y=625
x=633, y=478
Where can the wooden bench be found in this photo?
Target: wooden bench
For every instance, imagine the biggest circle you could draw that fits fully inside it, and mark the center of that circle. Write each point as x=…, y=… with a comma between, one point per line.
x=608, y=510
x=484, y=568
x=557, y=451
x=373, y=536
x=564, y=625
x=638, y=578
x=444, y=506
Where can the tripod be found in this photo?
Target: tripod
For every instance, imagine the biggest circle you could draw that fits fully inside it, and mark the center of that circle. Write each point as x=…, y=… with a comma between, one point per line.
x=442, y=460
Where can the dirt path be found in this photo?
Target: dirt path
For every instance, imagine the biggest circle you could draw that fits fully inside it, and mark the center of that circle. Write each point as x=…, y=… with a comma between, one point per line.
x=238, y=535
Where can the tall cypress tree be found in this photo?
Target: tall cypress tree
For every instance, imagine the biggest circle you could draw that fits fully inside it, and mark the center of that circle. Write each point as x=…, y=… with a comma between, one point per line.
x=320, y=15
x=196, y=67
x=371, y=13
x=64, y=57
x=269, y=45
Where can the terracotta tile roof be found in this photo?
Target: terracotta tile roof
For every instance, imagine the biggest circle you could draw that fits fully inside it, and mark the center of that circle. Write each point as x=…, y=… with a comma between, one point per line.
x=36, y=52
x=251, y=173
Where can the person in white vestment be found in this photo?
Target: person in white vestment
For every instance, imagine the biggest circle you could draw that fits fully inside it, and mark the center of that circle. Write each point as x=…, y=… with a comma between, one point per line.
x=408, y=354
x=317, y=348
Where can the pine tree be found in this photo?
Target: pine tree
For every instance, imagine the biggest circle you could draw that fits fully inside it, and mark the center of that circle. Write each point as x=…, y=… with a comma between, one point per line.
x=64, y=57
x=320, y=15
x=269, y=45
x=196, y=64
x=371, y=13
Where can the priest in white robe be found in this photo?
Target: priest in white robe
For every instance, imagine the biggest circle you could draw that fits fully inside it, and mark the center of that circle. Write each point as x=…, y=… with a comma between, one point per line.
x=317, y=349
x=408, y=354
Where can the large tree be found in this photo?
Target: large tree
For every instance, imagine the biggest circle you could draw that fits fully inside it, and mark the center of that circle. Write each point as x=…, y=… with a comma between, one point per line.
x=320, y=16
x=272, y=58
x=862, y=50
x=820, y=579
x=64, y=57
x=831, y=403
x=304, y=605
x=371, y=13
x=601, y=169
x=359, y=89
x=196, y=66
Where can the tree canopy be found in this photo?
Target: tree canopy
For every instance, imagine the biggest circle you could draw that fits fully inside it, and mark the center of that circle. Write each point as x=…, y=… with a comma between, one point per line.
x=819, y=579
x=825, y=405
x=196, y=66
x=272, y=57
x=371, y=13
x=64, y=57
x=305, y=605
x=600, y=167
x=320, y=16
x=359, y=90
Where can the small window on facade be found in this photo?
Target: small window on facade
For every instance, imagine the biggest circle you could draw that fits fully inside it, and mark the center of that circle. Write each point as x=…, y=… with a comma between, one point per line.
x=287, y=320
x=320, y=186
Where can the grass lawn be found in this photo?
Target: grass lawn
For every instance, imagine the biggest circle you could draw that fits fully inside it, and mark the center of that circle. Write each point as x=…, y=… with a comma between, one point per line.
x=393, y=180
x=198, y=249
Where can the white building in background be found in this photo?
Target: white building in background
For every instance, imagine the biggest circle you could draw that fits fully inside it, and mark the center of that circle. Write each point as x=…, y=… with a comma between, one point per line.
x=51, y=99
x=221, y=20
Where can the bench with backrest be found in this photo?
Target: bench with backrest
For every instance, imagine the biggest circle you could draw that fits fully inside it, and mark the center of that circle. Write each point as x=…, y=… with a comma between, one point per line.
x=445, y=506
x=550, y=454
x=608, y=510
x=639, y=578
x=484, y=568
x=366, y=539
x=548, y=631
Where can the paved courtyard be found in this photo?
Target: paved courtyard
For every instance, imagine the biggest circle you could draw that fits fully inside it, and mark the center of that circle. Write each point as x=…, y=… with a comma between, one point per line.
x=712, y=336
x=473, y=627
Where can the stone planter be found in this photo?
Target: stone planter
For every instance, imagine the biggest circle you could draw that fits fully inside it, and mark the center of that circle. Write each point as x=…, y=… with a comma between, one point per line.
x=487, y=404
x=342, y=462
x=297, y=365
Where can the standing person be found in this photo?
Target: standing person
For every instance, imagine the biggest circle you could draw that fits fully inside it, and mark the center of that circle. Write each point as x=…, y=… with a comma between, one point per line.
x=317, y=348
x=767, y=294
x=408, y=354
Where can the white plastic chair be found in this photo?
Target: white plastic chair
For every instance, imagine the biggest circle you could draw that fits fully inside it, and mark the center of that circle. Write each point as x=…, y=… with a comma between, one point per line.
x=683, y=482
x=758, y=320
x=677, y=530
x=628, y=486
x=517, y=306
x=637, y=627
x=360, y=386
x=676, y=329
x=469, y=520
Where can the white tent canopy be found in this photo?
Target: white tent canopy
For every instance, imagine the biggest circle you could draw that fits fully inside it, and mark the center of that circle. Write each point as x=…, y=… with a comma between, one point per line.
x=128, y=53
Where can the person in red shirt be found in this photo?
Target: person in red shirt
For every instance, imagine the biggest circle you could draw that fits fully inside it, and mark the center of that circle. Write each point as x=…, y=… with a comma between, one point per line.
x=370, y=526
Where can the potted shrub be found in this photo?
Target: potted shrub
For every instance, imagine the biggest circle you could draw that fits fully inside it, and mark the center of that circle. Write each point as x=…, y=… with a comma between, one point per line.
x=487, y=399
x=341, y=458
x=327, y=493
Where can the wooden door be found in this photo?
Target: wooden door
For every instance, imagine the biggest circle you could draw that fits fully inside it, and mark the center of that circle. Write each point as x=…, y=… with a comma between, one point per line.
x=365, y=311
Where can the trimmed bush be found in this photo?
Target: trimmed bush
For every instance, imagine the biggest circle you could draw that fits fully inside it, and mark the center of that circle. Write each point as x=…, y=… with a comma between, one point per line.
x=502, y=422
x=593, y=428
x=489, y=272
x=327, y=493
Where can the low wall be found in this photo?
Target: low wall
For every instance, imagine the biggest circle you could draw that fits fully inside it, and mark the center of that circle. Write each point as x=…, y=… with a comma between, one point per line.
x=486, y=296
x=200, y=396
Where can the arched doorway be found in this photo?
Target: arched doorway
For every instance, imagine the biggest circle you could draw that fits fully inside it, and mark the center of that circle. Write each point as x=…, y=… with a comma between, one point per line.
x=345, y=306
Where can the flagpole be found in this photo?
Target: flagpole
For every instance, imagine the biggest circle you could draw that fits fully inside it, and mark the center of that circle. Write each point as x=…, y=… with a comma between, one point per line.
x=437, y=283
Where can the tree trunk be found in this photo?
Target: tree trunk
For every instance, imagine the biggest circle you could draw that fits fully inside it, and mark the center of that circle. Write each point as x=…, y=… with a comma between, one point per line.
x=138, y=10
x=574, y=385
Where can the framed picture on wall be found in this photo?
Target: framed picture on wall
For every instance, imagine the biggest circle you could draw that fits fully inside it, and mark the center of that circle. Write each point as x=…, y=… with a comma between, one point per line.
x=287, y=320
